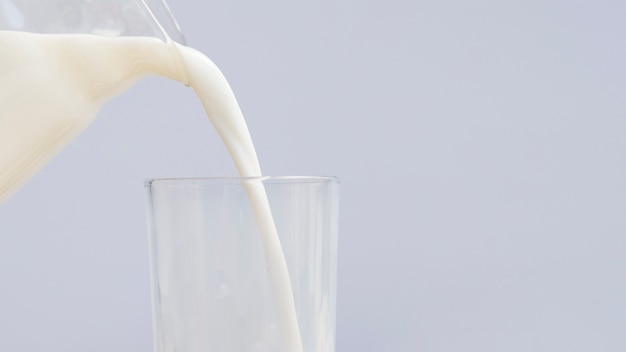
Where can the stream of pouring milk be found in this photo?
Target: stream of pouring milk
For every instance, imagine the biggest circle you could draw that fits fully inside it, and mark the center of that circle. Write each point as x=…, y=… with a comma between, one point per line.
x=52, y=86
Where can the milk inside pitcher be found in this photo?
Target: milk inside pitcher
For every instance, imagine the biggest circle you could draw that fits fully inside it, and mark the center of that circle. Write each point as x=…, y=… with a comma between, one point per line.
x=61, y=60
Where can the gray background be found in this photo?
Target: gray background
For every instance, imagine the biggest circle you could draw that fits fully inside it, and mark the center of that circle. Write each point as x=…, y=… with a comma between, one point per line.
x=482, y=152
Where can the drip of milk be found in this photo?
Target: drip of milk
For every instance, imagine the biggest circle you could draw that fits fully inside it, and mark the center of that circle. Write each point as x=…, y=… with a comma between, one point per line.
x=52, y=87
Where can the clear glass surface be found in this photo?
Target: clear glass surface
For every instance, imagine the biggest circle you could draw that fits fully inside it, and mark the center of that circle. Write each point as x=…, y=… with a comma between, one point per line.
x=109, y=18
x=210, y=285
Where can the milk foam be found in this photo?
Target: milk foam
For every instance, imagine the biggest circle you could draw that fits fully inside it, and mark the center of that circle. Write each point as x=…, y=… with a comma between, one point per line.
x=52, y=87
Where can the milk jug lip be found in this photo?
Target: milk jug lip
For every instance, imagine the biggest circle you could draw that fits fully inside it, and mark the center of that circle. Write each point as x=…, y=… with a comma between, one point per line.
x=234, y=180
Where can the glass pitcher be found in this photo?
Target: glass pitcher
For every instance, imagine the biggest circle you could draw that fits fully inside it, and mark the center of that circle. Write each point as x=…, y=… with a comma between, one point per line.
x=61, y=60
x=99, y=17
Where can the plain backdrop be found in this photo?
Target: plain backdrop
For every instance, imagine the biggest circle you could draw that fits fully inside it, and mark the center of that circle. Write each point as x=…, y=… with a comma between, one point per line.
x=481, y=147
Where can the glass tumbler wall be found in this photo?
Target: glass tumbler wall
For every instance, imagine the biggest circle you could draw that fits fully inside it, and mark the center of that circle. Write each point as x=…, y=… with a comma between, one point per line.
x=210, y=285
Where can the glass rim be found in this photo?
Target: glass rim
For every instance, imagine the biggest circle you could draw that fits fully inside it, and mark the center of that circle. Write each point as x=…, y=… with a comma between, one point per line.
x=237, y=180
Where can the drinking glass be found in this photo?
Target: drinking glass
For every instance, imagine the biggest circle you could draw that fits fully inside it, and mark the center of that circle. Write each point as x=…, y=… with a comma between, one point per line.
x=210, y=286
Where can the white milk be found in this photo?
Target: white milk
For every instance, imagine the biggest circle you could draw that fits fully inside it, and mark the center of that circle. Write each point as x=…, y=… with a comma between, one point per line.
x=52, y=86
